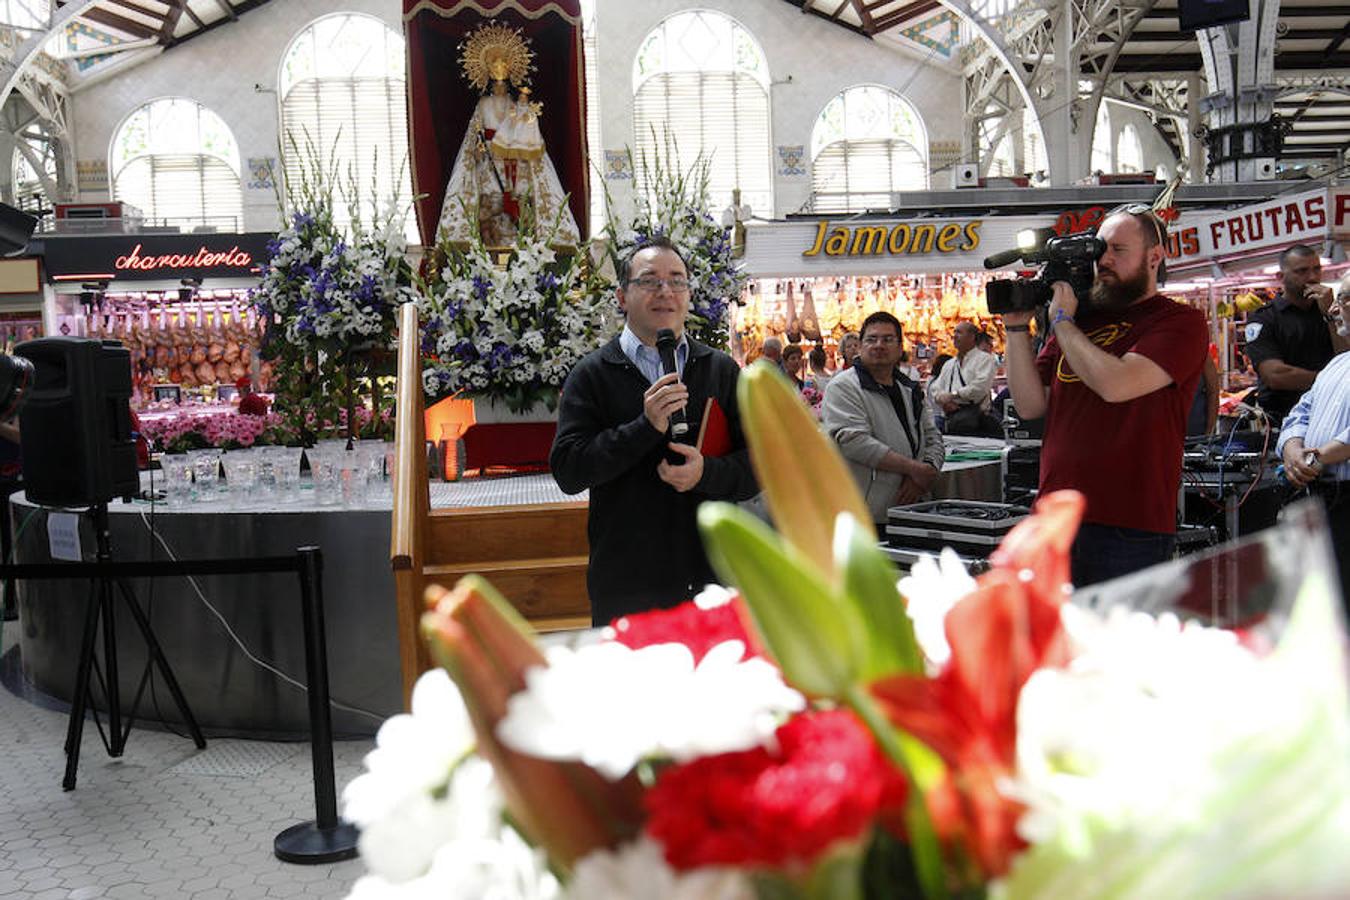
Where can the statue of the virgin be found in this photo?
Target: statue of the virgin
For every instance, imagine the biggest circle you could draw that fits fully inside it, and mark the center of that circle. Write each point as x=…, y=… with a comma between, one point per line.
x=502, y=172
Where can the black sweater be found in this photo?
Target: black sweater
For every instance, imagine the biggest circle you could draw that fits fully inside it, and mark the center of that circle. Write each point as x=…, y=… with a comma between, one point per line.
x=644, y=542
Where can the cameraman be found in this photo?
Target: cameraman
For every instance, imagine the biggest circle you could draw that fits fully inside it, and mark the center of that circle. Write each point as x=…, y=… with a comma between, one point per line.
x=1114, y=382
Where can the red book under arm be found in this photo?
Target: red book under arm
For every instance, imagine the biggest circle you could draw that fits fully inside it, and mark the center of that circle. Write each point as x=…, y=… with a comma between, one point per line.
x=714, y=433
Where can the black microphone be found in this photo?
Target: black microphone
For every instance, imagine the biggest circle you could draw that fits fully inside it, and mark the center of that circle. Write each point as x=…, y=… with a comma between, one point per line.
x=998, y=260
x=665, y=345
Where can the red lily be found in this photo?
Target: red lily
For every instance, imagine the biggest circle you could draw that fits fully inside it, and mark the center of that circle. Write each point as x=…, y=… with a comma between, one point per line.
x=999, y=634
x=567, y=807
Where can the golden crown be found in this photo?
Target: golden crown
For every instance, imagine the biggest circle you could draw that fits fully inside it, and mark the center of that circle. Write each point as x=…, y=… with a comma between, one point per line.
x=496, y=53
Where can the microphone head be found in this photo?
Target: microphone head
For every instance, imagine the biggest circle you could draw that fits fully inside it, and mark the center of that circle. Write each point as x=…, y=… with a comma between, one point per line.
x=1002, y=258
x=665, y=338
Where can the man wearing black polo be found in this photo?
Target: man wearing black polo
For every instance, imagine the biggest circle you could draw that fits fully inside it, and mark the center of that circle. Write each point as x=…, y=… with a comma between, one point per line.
x=613, y=423
x=1292, y=339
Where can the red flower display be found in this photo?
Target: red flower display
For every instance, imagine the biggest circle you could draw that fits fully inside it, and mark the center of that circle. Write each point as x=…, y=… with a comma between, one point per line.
x=698, y=629
x=826, y=782
x=1002, y=632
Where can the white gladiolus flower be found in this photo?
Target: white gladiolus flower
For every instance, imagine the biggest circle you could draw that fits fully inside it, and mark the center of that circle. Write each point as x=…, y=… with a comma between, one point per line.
x=639, y=869
x=658, y=703
x=931, y=589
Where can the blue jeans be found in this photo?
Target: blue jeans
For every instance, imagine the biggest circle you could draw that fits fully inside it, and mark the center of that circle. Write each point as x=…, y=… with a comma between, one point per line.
x=1103, y=552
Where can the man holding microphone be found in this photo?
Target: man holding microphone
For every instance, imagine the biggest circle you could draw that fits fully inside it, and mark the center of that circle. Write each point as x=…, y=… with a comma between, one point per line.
x=614, y=438
x=1114, y=381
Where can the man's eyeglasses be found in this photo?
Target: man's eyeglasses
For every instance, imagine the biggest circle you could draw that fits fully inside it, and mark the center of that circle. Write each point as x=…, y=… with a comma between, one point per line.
x=873, y=339
x=651, y=284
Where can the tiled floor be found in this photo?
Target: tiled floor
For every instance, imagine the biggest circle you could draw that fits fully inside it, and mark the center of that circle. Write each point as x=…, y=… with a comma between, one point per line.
x=165, y=820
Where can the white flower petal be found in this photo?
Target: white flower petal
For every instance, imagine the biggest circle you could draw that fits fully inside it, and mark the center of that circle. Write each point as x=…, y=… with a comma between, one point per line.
x=656, y=703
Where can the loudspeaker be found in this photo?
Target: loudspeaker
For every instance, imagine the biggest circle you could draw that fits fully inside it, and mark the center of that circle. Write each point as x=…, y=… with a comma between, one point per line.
x=16, y=227
x=966, y=175
x=75, y=429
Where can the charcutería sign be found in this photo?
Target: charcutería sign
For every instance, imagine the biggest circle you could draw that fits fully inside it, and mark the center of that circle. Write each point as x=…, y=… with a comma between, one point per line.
x=202, y=259
x=148, y=256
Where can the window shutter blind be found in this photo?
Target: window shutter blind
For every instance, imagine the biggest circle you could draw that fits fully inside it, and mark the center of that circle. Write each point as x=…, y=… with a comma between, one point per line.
x=359, y=126
x=724, y=115
x=183, y=189
x=854, y=176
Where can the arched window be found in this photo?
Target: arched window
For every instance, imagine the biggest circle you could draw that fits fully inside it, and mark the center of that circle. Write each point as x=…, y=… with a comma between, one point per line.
x=342, y=99
x=868, y=143
x=1129, y=152
x=178, y=163
x=593, y=138
x=1001, y=161
x=34, y=168
x=1034, y=159
x=1101, y=141
x=701, y=86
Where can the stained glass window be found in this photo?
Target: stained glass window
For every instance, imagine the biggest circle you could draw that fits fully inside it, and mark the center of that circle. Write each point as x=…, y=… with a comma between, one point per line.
x=701, y=88
x=342, y=98
x=868, y=142
x=178, y=162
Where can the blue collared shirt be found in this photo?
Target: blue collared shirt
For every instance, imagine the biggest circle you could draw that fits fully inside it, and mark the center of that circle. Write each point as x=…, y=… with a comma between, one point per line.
x=1323, y=413
x=648, y=359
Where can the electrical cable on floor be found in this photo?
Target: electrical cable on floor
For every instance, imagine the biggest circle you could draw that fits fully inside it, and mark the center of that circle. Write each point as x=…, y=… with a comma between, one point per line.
x=150, y=613
x=240, y=643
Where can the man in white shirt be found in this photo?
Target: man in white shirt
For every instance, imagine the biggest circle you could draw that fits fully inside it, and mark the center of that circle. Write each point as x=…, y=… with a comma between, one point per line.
x=963, y=391
x=1315, y=440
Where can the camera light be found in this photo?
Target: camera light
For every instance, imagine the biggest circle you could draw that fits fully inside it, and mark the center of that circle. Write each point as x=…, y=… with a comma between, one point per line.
x=1028, y=239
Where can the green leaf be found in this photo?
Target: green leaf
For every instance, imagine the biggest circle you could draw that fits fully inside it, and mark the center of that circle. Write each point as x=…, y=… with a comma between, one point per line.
x=816, y=638
x=869, y=583
x=838, y=876
x=900, y=749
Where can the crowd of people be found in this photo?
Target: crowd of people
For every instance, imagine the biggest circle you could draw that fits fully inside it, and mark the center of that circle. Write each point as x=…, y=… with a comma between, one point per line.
x=1119, y=377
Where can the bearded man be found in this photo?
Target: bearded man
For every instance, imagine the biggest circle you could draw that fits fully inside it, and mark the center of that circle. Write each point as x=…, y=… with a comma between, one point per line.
x=1114, y=381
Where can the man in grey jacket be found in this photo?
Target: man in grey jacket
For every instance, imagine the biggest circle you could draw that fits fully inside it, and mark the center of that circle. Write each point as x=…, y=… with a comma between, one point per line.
x=882, y=422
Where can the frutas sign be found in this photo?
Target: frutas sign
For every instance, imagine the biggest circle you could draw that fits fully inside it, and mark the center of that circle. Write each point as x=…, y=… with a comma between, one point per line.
x=899, y=239
x=1279, y=221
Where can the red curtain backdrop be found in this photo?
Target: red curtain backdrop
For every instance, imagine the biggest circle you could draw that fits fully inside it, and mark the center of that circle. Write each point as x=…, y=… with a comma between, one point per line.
x=441, y=100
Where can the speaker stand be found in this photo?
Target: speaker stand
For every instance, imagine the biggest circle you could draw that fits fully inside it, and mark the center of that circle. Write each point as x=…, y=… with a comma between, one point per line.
x=102, y=606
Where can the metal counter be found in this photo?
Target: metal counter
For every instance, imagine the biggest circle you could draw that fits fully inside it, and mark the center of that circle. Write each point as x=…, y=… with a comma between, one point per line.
x=228, y=692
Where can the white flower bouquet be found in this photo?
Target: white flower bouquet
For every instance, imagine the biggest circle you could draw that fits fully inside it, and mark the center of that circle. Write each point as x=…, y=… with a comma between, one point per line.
x=509, y=332
x=814, y=736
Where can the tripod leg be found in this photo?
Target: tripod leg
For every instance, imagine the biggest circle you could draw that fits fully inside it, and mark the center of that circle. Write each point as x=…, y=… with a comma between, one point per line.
x=157, y=655
x=113, y=682
x=75, y=728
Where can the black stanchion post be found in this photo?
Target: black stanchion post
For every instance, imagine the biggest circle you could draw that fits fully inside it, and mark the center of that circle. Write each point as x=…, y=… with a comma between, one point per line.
x=327, y=839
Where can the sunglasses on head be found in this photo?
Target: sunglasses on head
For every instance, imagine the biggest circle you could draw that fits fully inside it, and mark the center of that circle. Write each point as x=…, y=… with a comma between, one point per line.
x=1142, y=209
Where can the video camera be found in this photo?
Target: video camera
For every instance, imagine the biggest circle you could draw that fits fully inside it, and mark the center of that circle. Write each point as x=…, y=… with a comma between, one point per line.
x=1069, y=258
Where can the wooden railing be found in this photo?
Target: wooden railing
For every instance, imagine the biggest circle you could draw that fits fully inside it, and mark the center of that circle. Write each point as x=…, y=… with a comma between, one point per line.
x=536, y=554
x=412, y=501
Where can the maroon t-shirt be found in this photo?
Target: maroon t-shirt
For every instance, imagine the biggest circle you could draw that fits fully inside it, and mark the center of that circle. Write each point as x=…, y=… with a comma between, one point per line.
x=1124, y=457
